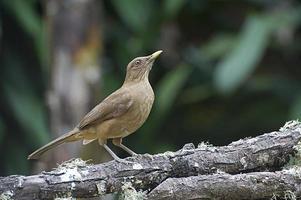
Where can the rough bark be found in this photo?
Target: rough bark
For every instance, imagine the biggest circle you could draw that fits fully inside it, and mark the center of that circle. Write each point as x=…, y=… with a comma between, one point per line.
x=158, y=174
x=257, y=185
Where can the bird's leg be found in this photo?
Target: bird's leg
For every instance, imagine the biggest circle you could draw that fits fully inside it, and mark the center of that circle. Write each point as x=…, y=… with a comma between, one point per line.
x=118, y=142
x=103, y=143
x=112, y=153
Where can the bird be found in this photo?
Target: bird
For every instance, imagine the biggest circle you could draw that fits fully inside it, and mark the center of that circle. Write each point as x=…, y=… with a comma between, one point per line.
x=118, y=115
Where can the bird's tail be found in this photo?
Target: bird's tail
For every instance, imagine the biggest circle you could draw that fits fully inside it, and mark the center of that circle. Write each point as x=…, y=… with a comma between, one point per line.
x=67, y=137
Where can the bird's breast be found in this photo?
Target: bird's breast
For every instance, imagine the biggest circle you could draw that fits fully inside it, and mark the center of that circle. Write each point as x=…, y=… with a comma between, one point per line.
x=143, y=98
x=143, y=102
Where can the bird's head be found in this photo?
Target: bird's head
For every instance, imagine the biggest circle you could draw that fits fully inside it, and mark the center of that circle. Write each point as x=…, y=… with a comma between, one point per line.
x=139, y=68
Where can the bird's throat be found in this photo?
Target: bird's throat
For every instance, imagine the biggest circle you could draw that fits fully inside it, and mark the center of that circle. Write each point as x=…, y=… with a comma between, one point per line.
x=136, y=77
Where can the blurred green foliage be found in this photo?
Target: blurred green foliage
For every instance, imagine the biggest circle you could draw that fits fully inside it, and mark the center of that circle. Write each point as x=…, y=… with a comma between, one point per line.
x=23, y=111
x=229, y=70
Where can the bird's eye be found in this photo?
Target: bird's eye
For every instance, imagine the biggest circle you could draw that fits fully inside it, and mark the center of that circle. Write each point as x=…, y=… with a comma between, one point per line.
x=137, y=62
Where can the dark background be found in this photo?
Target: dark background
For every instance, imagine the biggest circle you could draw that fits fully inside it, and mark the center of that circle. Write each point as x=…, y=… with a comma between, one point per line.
x=229, y=70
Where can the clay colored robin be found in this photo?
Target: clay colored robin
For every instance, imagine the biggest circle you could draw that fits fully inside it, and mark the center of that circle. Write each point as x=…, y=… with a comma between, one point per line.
x=117, y=116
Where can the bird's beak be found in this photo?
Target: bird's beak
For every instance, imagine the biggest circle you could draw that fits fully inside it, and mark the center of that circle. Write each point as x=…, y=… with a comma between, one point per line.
x=154, y=55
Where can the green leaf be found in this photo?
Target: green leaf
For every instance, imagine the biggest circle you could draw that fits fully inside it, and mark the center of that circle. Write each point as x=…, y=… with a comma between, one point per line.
x=27, y=17
x=29, y=113
x=169, y=88
x=15, y=162
x=242, y=60
x=25, y=13
x=135, y=13
x=2, y=130
x=218, y=46
x=239, y=64
x=172, y=7
x=295, y=110
x=19, y=93
x=166, y=94
x=196, y=94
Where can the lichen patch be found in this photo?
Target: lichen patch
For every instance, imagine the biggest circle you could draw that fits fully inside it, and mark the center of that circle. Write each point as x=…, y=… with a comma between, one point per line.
x=101, y=189
x=137, y=166
x=290, y=125
x=76, y=162
x=71, y=175
x=7, y=195
x=130, y=193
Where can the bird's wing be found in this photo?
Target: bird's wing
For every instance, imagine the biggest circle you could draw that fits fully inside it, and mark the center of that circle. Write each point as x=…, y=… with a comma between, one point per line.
x=114, y=105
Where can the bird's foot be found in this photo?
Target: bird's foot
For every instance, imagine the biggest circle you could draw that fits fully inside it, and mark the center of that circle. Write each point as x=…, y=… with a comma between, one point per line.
x=134, y=154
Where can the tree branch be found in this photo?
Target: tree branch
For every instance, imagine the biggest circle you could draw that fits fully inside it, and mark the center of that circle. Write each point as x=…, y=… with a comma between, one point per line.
x=257, y=185
x=267, y=152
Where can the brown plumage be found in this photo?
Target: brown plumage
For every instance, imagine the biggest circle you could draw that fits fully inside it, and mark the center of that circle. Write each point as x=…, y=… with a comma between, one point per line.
x=117, y=116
